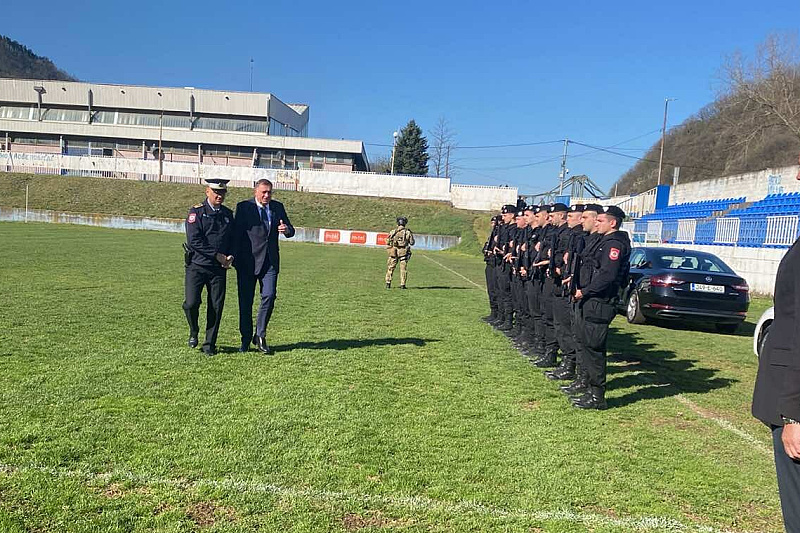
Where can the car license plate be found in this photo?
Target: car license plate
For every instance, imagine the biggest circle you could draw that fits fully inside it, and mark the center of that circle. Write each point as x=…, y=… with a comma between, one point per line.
x=700, y=287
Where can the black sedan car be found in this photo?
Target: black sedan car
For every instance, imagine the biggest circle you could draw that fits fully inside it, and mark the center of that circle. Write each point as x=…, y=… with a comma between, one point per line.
x=671, y=283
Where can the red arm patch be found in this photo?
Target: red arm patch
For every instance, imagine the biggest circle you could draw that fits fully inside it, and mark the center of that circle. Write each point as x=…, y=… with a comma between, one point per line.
x=192, y=218
x=613, y=254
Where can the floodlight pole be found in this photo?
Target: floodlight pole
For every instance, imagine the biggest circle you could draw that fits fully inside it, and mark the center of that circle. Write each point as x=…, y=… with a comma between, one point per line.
x=563, y=175
x=160, y=138
x=663, y=137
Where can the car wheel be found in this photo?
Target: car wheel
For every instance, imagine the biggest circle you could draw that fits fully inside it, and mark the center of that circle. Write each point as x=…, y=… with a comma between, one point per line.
x=762, y=338
x=727, y=328
x=634, y=310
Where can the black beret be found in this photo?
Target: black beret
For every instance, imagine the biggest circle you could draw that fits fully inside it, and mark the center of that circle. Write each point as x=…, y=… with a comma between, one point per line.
x=533, y=208
x=520, y=213
x=577, y=208
x=508, y=208
x=558, y=207
x=545, y=208
x=597, y=208
x=614, y=211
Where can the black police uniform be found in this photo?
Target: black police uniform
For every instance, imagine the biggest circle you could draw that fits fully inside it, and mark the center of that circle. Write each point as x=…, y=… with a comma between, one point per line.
x=610, y=263
x=539, y=274
x=533, y=284
x=491, y=261
x=562, y=303
x=776, y=398
x=503, y=272
x=520, y=235
x=208, y=232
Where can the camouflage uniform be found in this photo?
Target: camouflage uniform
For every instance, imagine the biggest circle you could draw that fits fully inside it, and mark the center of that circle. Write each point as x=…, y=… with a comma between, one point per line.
x=399, y=243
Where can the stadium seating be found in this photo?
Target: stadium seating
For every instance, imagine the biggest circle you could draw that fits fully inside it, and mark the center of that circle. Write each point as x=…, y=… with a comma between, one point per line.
x=771, y=222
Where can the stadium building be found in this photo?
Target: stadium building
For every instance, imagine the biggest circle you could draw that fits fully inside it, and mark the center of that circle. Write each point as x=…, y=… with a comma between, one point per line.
x=244, y=129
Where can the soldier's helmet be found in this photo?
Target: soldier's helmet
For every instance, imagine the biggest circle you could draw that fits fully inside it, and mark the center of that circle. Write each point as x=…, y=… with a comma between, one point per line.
x=402, y=221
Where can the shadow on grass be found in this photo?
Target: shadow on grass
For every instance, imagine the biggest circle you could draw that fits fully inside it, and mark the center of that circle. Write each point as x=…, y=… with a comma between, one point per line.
x=348, y=344
x=658, y=372
x=440, y=287
x=746, y=329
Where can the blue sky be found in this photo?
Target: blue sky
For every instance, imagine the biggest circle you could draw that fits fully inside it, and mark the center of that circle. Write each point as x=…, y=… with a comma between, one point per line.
x=499, y=72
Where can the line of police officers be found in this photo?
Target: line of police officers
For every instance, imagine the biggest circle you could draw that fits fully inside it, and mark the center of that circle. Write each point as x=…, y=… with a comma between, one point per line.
x=553, y=275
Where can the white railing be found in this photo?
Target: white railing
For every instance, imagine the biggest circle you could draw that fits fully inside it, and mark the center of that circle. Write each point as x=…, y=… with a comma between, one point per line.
x=781, y=230
x=653, y=231
x=639, y=205
x=686, y=230
x=727, y=230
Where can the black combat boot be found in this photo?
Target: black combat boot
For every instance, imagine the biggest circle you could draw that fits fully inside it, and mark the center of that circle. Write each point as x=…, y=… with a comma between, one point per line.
x=548, y=360
x=499, y=319
x=515, y=330
x=577, y=387
x=594, y=398
x=491, y=317
x=508, y=323
x=564, y=371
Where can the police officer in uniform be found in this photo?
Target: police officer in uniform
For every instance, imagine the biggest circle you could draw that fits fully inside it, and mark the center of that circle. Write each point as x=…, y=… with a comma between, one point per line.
x=597, y=295
x=520, y=235
x=491, y=261
x=538, y=264
x=552, y=278
x=502, y=271
x=583, y=241
x=526, y=341
x=209, y=248
x=398, y=244
x=562, y=302
x=776, y=399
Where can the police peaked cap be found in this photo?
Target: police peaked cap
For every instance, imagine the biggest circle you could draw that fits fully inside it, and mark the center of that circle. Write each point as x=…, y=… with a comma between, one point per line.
x=508, y=208
x=593, y=207
x=577, y=208
x=614, y=211
x=558, y=207
x=217, y=184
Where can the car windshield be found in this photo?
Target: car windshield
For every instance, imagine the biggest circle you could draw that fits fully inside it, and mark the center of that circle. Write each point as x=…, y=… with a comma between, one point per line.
x=691, y=261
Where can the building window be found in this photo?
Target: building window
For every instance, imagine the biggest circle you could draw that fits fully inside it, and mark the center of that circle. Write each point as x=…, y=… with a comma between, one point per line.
x=15, y=112
x=227, y=124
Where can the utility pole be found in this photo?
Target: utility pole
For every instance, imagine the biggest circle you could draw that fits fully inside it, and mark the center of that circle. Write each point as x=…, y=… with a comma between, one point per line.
x=251, y=74
x=160, y=137
x=563, y=176
x=447, y=164
x=663, y=137
x=394, y=148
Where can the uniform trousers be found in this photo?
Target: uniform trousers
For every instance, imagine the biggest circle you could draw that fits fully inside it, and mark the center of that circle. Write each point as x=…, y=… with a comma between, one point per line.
x=546, y=302
x=577, y=337
x=562, y=322
x=788, y=471
x=592, y=321
x=517, y=297
x=491, y=285
x=503, y=280
x=535, y=305
x=213, y=279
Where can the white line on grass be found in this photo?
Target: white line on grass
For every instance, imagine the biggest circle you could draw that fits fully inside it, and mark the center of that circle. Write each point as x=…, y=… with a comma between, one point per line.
x=642, y=523
x=451, y=270
x=724, y=424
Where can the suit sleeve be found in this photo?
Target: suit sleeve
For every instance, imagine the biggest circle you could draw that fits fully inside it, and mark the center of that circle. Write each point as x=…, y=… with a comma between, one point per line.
x=289, y=228
x=610, y=265
x=196, y=237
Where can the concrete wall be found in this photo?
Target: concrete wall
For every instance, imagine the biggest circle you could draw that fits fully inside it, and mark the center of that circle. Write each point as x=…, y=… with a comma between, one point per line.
x=481, y=197
x=352, y=183
x=756, y=265
x=171, y=225
x=754, y=186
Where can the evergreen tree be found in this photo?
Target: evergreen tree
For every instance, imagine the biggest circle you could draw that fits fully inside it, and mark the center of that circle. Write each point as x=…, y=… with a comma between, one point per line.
x=411, y=153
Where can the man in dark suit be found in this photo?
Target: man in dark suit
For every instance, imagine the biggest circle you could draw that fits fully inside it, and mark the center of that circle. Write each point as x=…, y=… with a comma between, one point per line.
x=776, y=399
x=258, y=223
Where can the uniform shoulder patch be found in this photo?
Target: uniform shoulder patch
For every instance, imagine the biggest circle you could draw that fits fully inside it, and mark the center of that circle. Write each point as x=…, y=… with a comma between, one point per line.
x=192, y=218
x=613, y=254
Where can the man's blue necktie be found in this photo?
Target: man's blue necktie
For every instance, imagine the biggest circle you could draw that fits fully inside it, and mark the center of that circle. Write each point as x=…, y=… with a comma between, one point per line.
x=265, y=218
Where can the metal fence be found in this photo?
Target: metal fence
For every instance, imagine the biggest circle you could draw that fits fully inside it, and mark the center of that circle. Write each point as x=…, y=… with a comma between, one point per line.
x=653, y=231
x=727, y=230
x=686, y=230
x=781, y=230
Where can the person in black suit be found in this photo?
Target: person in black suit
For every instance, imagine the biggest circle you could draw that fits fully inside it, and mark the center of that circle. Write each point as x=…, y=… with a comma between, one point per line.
x=258, y=222
x=776, y=399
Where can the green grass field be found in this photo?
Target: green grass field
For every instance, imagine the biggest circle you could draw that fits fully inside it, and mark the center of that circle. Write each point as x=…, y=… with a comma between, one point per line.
x=381, y=411
x=311, y=210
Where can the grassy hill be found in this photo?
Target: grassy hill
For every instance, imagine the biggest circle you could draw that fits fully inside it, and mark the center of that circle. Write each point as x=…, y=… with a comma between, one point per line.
x=313, y=210
x=18, y=61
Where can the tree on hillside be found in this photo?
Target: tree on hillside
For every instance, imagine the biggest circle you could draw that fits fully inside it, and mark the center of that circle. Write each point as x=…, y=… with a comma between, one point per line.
x=444, y=141
x=411, y=152
x=765, y=89
x=18, y=61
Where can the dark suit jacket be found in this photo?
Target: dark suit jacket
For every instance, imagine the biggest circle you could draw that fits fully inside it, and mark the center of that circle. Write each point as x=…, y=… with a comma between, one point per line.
x=256, y=246
x=777, y=390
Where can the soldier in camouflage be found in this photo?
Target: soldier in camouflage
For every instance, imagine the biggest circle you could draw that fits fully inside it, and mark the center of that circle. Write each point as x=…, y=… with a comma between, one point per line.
x=398, y=244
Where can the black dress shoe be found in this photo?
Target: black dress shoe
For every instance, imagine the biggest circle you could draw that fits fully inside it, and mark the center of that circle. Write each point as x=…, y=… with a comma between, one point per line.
x=209, y=350
x=591, y=400
x=245, y=347
x=192, y=341
x=261, y=345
